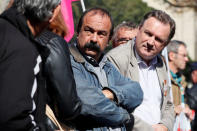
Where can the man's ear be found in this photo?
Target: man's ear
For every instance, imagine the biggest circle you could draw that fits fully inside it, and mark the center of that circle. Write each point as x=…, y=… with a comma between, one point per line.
x=171, y=56
x=55, y=13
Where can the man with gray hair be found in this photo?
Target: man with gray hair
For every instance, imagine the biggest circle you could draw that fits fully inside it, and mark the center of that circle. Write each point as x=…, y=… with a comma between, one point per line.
x=123, y=33
x=177, y=55
x=22, y=90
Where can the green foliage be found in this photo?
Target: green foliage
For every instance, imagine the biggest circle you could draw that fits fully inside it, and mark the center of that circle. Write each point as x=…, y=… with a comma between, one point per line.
x=121, y=10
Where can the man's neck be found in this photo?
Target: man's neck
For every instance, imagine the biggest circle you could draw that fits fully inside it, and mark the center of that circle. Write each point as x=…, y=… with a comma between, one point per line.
x=173, y=68
x=96, y=58
x=36, y=28
x=147, y=62
x=91, y=60
x=32, y=28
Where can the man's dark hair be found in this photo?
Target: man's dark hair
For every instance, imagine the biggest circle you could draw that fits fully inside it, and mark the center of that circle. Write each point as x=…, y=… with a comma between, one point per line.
x=96, y=10
x=163, y=18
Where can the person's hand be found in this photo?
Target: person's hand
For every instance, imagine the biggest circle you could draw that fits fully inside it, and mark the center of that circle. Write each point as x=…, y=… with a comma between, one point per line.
x=188, y=112
x=178, y=109
x=159, y=127
x=108, y=94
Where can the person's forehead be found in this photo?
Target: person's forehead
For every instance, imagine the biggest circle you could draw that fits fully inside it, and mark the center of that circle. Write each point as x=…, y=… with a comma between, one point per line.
x=97, y=21
x=182, y=48
x=98, y=14
x=124, y=29
x=159, y=28
x=154, y=21
x=124, y=32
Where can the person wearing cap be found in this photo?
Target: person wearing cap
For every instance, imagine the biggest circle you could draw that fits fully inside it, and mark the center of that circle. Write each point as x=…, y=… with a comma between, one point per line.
x=194, y=73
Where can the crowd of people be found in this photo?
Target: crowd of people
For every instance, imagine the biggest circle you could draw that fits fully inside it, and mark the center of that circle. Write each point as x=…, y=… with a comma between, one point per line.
x=48, y=84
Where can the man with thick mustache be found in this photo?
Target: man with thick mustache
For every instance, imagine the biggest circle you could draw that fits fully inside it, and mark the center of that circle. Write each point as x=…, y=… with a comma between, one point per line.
x=108, y=98
x=140, y=60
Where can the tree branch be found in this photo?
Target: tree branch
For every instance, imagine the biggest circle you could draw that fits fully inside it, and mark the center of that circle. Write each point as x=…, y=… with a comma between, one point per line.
x=179, y=5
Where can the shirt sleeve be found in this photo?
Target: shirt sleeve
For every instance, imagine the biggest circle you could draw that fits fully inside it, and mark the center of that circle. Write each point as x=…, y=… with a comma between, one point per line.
x=96, y=107
x=128, y=92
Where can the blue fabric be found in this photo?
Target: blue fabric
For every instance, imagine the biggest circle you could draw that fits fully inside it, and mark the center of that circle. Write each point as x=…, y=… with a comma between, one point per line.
x=193, y=66
x=99, y=109
x=177, y=78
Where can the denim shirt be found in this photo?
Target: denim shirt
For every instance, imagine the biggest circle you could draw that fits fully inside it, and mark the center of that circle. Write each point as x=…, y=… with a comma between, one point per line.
x=97, y=110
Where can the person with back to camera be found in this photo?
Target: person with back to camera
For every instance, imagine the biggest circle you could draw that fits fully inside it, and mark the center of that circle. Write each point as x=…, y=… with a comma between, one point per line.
x=22, y=88
x=61, y=87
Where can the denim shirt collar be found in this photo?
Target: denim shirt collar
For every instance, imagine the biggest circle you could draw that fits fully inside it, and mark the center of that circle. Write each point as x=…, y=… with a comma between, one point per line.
x=76, y=54
x=92, y=61
x=83, y=58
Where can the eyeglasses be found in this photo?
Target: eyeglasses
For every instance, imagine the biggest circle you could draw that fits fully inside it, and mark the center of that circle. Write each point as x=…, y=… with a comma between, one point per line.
x=123, y=40
x=183, y=55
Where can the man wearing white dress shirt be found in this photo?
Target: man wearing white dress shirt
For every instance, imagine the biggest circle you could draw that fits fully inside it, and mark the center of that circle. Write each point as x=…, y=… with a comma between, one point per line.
x=140, y=60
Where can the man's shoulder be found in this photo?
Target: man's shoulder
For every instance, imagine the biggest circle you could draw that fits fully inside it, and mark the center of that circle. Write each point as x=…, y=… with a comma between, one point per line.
x=13, y=40
x=5, y=24
x=75, y=53
x=121, y=50
x=121, y=55
x=8, y=31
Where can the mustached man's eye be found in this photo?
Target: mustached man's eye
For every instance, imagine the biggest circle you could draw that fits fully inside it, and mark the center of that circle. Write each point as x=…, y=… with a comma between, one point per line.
x=102, y=33
x=159, y=40
x=148, y=33
x=88, y=30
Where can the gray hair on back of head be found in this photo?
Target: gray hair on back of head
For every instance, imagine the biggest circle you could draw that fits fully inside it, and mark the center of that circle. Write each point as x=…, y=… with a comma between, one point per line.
x=37, y=10
x=129, y=25
x=174, y=45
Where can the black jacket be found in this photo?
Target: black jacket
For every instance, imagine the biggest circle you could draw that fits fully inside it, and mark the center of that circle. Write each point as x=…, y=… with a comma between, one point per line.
x=60, y=80
x=22, y=99
x=191, y=95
